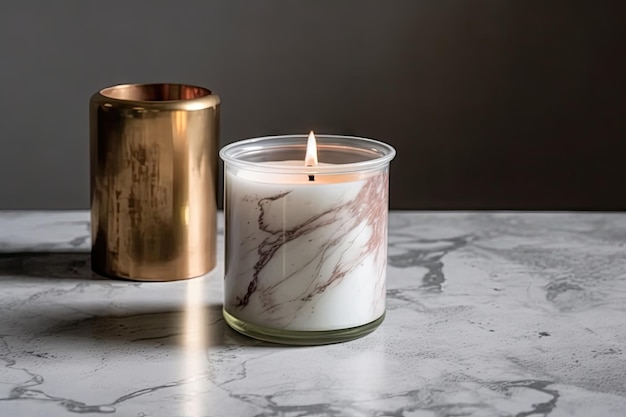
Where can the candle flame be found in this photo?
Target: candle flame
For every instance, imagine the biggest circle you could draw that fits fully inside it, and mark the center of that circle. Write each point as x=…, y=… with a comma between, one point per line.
x=310, y=160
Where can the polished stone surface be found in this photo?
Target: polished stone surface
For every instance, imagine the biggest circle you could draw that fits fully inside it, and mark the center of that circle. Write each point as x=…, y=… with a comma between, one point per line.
x=489, y=314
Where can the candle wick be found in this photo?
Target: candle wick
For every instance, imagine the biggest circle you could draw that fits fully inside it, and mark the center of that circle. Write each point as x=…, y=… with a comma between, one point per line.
x=311, y=177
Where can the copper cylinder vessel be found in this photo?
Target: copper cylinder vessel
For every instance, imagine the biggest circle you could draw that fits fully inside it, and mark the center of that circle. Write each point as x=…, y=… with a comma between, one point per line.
x=153, y=181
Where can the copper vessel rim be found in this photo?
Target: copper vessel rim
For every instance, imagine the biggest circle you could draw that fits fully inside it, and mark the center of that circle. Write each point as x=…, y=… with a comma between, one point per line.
x=165, y=94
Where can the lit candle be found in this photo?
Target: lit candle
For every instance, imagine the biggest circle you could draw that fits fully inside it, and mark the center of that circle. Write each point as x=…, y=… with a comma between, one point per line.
x=306, y=240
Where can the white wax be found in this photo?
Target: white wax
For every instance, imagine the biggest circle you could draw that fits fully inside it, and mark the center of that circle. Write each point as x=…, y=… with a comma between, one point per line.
x=305, y=255
x=297, y=178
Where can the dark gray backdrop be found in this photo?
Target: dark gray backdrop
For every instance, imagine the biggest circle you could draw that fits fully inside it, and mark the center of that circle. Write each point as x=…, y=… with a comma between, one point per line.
x=490, y=104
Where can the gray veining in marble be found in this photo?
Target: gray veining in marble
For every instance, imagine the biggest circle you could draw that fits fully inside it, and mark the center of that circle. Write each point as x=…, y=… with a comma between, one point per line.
x=489, y=314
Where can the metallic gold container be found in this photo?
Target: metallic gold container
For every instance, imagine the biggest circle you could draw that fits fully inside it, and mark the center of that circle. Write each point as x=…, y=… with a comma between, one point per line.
x=153, y=181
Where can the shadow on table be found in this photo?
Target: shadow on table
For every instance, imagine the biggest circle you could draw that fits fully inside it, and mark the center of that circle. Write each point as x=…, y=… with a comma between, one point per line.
x=56, y=265
x=154, y=326
x=199, y=327
x=203, y=327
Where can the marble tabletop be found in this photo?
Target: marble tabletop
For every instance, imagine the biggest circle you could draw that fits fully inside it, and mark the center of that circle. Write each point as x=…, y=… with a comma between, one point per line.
x=488, y=314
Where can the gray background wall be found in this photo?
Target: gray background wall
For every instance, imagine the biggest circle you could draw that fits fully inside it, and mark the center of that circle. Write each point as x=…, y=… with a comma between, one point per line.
x=490, y=104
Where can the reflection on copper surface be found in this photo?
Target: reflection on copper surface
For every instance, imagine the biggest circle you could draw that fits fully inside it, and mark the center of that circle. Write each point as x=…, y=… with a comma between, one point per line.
x=154, y=181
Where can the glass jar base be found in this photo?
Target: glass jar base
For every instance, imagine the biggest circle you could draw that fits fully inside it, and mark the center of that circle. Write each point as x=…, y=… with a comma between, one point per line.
x=300, y=337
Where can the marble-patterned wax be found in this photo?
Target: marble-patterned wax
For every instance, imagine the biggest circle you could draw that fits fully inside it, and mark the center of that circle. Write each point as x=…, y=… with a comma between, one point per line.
x=488, y=315
x=306, y=257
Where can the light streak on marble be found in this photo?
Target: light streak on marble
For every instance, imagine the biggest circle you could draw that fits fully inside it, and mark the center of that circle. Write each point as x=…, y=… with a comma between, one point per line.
x=194, y=345
x=488, y=314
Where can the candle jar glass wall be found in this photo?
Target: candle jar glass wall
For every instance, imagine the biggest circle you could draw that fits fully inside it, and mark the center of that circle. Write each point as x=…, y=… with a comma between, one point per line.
x=306, y=246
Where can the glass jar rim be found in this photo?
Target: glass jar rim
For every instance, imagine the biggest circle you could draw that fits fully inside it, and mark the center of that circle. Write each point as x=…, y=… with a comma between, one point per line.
x=382, y=153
